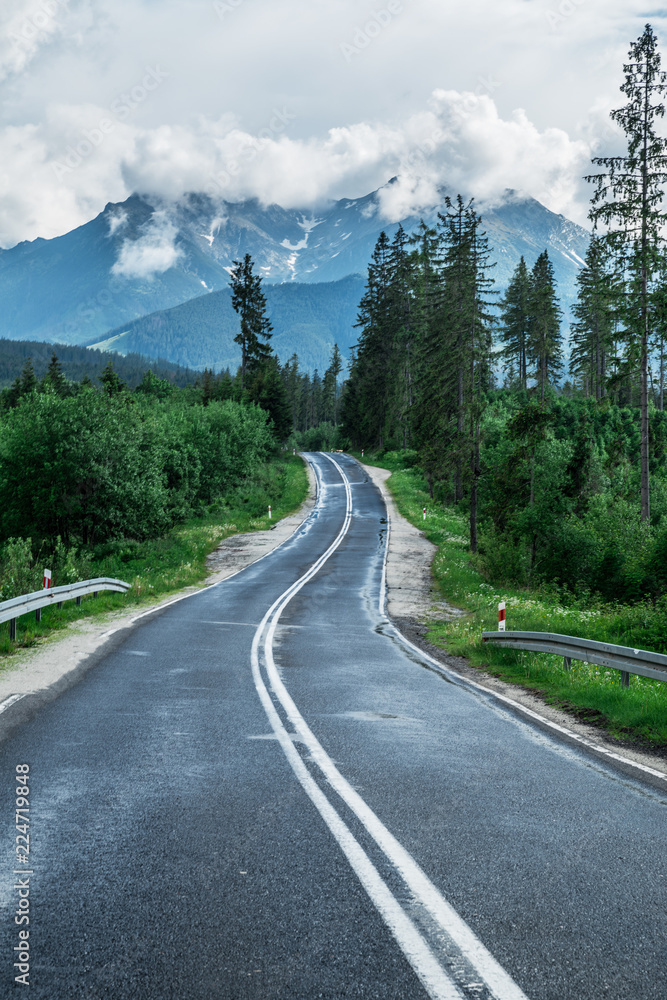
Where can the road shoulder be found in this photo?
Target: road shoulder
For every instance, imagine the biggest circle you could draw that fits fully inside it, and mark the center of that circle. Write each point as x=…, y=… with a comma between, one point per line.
x=413, y=600
x=33, y=676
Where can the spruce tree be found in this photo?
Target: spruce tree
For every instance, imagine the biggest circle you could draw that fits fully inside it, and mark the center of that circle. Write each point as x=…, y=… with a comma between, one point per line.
x=594, y=313
x=54, y=377
x=305, y=398
x=315, y=402
x=426, y=288
x=28, y=378
x=207, y=386
x=266, y=387
x=373, y=364
x=628, y=201
x=545, y=349
x=402, y=333
x=515, y=322
x=112, y=384
x=249, y=302
x=454, y=353
x=330, y=386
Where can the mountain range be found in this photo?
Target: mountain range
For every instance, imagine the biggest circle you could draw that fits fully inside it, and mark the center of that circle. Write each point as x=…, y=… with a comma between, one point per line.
x=114, y=282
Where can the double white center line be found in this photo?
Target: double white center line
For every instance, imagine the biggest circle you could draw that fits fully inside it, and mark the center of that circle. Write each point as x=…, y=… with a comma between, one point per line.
x=461, y=968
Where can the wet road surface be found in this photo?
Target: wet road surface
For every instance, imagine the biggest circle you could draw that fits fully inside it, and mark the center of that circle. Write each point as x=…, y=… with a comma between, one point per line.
x=263, y=793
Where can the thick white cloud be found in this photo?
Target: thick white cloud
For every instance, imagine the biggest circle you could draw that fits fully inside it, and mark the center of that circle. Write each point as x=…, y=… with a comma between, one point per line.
x=154, y=252
x=303, y=101
x=460, y=142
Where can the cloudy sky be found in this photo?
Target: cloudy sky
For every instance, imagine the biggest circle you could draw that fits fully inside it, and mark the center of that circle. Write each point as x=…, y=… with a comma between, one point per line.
x=300, y=101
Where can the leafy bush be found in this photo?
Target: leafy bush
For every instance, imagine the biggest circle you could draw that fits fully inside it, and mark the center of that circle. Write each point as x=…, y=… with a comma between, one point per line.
x=93, y=467
x=18, y=570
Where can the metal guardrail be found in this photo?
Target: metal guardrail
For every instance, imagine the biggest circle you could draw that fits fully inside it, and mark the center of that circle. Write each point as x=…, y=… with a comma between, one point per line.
x=605, y=654
x=17, y=606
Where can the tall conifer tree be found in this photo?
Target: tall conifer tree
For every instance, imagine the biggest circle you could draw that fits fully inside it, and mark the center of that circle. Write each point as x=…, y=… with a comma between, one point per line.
x=249, y=302
x=545, y=347
x=628, y=200
x=515, y=322
x=595, y=315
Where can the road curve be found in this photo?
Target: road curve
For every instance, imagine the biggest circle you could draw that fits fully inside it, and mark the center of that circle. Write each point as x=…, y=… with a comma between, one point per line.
x=264, y=793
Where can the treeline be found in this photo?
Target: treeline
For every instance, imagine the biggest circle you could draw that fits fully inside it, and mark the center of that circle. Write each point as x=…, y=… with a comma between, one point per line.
x=307, y=319
x=472, y=392
x=79, y=362
x=567, y=482
x=297, y=401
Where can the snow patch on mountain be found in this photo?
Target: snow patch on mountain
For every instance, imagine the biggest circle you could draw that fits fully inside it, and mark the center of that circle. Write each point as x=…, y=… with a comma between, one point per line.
x=309, y=224
x=301, y=245
x=214, y=230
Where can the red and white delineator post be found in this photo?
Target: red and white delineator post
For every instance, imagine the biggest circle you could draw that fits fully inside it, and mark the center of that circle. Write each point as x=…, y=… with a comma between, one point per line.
x=46, y=586
x=424, y=512
x=501, y=616
x=269, y=512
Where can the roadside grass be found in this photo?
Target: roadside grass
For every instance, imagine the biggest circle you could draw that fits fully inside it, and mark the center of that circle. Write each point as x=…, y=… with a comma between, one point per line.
x=159, y=567
x=591, y=693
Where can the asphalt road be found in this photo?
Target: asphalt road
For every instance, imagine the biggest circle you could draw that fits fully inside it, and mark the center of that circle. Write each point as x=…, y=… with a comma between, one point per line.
x=263, y=793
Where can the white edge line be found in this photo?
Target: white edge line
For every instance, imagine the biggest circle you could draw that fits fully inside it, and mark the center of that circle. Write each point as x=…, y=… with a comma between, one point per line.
x=498, y=980
x=517, y=706
x=583, y=740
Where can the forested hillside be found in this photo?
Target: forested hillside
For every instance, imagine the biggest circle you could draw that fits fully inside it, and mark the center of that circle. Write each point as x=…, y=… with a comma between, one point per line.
x=307, y=319
x=79, y=362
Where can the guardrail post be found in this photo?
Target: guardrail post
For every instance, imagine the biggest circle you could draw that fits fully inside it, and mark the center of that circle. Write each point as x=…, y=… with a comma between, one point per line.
x=95, y=592
x=78, y=602
x=12, y=629
x=38, y=615
x=625, y=678
x=567, y=662
x=59, y=605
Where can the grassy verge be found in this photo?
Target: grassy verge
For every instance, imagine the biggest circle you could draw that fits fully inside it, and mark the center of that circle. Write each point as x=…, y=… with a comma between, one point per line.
x=161, y=566
x=637, y=713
